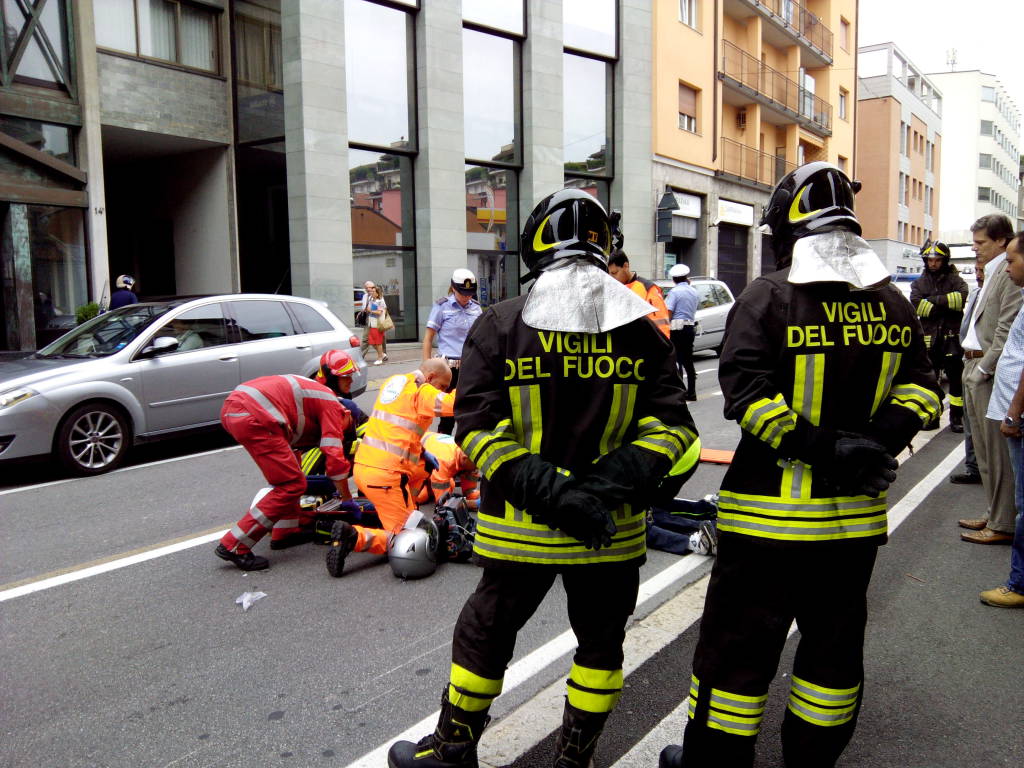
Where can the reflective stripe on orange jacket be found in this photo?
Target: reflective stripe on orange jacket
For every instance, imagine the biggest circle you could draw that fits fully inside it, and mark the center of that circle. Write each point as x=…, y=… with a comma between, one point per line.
x=404, y=410
x=451, y=464
x=651, y=293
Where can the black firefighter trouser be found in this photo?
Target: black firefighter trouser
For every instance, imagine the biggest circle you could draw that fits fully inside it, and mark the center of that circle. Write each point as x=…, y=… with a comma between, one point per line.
x=600, y=599
x=953, y=366
x=755, y=592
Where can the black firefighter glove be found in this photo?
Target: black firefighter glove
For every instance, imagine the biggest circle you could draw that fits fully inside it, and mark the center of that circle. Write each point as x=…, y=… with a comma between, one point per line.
x=859, y=466
x=582, y=516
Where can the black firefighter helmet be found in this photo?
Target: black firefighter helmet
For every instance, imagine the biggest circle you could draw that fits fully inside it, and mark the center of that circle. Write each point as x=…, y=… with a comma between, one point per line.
x=936, y=250
x=570, y=224
x=815, y=198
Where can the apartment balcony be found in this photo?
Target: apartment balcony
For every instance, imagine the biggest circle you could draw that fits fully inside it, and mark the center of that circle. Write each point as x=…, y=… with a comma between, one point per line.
x=788, y=22
x=746, y=164
x=746, y=79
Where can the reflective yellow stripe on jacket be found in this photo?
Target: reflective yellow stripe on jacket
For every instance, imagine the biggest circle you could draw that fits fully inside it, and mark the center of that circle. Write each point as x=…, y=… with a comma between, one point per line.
x=795, y=514
x=515, y=536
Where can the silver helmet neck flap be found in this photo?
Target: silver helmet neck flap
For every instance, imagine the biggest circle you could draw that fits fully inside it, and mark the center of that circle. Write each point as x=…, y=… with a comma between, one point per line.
x=565, y=243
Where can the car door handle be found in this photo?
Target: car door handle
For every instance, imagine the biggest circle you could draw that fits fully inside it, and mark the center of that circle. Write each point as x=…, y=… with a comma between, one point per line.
x=303, y=346
x=228, y=358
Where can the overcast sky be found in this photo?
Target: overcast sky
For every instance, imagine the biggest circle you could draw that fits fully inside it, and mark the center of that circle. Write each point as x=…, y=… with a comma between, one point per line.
x=985, y=33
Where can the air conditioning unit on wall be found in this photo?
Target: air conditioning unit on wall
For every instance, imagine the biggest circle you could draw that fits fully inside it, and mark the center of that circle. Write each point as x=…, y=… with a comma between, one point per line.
x=741, y=119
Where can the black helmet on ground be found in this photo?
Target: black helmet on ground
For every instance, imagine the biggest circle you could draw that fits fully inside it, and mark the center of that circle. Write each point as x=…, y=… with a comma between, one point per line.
x=815, y=198
x=570, y=224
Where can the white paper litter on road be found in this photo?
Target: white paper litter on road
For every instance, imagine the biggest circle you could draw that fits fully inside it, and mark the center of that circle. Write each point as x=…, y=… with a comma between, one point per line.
x=246, y=599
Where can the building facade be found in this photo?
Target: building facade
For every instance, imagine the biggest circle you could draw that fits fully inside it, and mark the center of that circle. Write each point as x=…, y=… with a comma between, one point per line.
x=744, y=92
x=306, y=146
x=899, y=150
x=981, y=155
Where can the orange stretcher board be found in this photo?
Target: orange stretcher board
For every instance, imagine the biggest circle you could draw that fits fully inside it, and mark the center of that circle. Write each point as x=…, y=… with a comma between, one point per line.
x=712, y=456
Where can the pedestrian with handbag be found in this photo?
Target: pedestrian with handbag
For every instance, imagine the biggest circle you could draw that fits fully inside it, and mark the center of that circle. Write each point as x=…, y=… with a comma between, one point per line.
x=377, y=312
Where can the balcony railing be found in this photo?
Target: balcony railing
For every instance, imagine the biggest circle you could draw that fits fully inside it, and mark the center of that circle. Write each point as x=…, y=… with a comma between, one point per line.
x=740, y=66
x=802, y=22
x=752, y=164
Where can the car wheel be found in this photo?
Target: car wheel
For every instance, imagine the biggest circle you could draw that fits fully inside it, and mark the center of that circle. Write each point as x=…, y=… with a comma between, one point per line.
x=92, y=439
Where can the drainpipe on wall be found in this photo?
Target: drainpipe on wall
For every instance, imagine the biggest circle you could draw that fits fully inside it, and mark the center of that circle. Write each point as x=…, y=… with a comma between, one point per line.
x=714, y=96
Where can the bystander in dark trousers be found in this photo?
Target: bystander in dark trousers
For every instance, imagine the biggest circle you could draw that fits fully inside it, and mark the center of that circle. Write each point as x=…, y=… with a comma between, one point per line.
x=682, y=340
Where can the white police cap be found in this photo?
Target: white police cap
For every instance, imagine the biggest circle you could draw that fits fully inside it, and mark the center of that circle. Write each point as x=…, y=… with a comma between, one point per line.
x=679, y=270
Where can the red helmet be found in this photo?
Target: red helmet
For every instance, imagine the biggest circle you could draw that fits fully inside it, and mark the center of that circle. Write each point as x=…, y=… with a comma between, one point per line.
x=335, y=362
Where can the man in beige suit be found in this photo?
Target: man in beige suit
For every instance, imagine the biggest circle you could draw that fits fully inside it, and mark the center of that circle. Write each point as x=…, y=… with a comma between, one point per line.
x=987, y=326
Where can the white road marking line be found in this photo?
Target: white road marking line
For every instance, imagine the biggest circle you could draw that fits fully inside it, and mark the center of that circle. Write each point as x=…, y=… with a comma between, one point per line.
x=123, y=469
x=532, y=663
x=113, y=565
x=670, y=729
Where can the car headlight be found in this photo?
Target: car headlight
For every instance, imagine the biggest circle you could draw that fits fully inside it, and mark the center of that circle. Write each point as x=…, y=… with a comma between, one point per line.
x=14, y=396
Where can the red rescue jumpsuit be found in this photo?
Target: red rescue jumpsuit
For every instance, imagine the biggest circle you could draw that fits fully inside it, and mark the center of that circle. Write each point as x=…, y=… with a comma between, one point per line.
x=390, y=450
x=270, y=417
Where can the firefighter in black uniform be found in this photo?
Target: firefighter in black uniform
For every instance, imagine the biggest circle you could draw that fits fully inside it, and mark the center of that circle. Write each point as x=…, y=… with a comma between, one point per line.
x=939, y=295
x=825, y=369
x=570, y=405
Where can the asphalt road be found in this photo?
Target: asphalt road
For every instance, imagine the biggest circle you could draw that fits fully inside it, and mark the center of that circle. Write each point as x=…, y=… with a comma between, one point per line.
x=149, y=662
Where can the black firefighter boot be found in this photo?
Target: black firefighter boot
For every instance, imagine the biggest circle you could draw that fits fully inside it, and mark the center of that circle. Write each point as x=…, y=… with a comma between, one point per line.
x=451, y=745
x=578, y=737
x=956, y=418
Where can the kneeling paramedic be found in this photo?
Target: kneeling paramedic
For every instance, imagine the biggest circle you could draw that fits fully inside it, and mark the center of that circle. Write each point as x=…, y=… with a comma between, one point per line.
x=389, y=453
x=572, y=410
x=272, y=417
x=825, y=369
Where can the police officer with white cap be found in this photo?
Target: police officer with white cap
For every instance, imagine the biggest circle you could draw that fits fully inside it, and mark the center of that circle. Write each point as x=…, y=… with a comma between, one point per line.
x=449, y=322
x=681, y=303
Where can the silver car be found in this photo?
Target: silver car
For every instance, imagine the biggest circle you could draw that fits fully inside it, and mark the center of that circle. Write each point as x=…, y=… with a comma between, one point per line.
x=714, y=300
x=151, y=370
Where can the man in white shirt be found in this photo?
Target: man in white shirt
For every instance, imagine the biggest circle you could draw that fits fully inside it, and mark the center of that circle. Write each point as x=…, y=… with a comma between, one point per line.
x=987, y=327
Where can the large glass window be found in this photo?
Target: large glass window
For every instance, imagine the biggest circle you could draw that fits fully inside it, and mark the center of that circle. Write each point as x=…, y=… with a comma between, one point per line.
x=489, y=96
x=492, y=231
x=377, y=44
x=52, y=139
x=169, y=30
x=43, y=55
x=585, y=128
x=492, y=103
x=383, y=239
x=589, y=25
x=507, y=15
x=259, y=72
x=54, y=252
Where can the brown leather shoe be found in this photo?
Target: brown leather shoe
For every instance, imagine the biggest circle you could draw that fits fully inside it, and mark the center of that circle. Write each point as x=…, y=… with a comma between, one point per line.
x=973, y=524
x=1002, y=597
x=987, y=536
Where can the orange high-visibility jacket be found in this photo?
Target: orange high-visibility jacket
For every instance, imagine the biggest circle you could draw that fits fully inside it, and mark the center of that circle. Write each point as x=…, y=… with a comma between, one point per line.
x=450, y=465
x=651, y=293
x=404, y=410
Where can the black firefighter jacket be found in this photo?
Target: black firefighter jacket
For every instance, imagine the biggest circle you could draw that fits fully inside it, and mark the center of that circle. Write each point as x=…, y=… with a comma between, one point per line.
x=939, y=299
x=801, y=362
x=539, y=411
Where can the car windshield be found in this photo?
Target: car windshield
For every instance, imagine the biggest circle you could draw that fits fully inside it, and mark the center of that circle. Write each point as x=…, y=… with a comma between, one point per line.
x=105, y=334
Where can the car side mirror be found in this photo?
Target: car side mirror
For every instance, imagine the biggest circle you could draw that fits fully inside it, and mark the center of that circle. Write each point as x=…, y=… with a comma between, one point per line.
x=161, y=345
